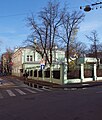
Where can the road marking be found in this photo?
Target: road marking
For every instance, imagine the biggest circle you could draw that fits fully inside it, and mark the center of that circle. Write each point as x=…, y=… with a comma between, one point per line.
x=20, y=91
x=73, y=88
x=30, y=90
x=84, y=88
x=10, y=93
x=45, y=89
x=85, y=84
x=37, y=89
x=66, y=89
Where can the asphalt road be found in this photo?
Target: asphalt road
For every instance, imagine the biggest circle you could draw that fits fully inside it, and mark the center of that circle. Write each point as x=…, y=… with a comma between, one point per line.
x=72, y=104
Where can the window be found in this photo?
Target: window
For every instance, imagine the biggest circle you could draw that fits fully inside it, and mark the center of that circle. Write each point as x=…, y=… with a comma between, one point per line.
x=29, y=58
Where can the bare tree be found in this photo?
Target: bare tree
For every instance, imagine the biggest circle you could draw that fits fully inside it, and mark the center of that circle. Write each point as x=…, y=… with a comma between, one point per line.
x=70, y=28
x=79, y=48
x=95, y=42
x=45, y=30
x=6, y=61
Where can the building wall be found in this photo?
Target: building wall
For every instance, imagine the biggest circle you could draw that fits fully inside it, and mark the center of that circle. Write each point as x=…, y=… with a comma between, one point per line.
x=17, y=62
x=27, y=53
x=30, y=58
x=23, y=58
x=60, y=55
x=3, y=62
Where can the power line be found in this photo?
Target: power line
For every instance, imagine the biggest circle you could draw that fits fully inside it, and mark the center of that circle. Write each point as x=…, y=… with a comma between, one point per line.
x=14, y=15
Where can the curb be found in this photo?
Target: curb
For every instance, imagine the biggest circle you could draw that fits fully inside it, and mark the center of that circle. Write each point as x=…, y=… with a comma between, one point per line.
x=79, y=85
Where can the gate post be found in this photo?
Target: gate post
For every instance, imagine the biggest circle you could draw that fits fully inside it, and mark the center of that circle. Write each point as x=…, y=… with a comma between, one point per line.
x=63, y=73
x=82, y=72
x=94, y=72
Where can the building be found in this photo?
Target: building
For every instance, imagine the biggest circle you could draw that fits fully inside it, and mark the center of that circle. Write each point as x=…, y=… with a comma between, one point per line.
x=99, y=56
x=6, y=64
x=25, y=58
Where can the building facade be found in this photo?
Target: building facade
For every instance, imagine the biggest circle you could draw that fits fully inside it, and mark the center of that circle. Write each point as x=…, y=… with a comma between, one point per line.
x=23, y=58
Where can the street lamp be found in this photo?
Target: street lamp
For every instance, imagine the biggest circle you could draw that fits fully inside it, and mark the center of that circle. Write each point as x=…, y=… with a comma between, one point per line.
x=90, y=7
x=87, y=8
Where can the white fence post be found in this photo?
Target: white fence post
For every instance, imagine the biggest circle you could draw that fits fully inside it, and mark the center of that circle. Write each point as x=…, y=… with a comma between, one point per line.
x=82, y=72
x=63, y=73
x=94, y=72
x=51, y=74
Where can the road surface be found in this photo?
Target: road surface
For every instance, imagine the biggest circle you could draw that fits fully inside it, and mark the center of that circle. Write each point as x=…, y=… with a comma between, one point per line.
x=19, y=102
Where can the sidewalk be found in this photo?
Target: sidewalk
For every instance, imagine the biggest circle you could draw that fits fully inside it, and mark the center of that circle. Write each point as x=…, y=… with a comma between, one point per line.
x=54, y=85
x=31, y=81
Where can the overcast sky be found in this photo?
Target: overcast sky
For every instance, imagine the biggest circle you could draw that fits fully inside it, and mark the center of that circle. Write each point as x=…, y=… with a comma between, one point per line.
x=13, y=14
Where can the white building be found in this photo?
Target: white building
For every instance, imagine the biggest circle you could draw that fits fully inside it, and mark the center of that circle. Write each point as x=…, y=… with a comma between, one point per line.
x=26, y=57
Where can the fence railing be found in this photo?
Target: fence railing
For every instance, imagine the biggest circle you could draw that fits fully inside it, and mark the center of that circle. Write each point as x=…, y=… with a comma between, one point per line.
x=59, y=74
